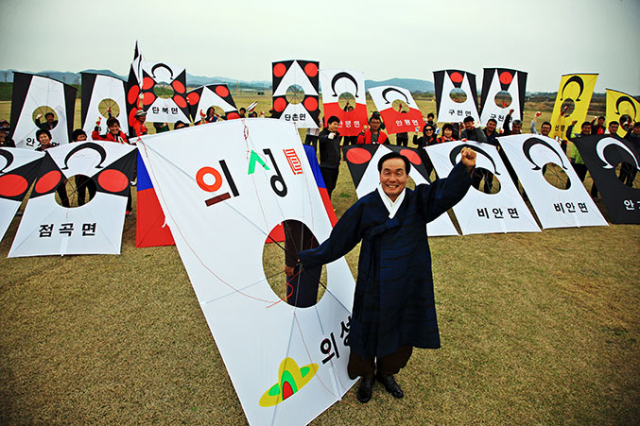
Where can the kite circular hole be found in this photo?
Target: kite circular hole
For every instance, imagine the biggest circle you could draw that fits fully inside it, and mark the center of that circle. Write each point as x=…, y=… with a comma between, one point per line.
x=556, y=176
x=217, y=111
x=458, y=96
x=45, y=117
x=485, y=181
x=347, y=98
x=503, y=99
x=79, y=190
x=163, y=90
x=305, y=288
x=108, y=108
x=400, y=106
x=567, y=107
x=295, y=94
x=411, y=184
x=628, y=174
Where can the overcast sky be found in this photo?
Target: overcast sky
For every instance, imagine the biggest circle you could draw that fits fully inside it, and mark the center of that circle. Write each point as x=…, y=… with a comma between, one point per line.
x=384, y=39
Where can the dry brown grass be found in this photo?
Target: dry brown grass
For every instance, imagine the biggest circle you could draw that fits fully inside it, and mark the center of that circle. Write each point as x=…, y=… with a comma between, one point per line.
x=537, y=329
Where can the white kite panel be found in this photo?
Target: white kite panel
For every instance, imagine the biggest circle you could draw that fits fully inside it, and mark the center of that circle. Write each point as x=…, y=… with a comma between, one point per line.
x=47, y=228
x=556, y=208
x=221, y=205
x=111, y=91
x=477, y=212
x=42, y=92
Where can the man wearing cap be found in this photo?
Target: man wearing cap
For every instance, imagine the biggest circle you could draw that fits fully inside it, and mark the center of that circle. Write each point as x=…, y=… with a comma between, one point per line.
x=373, y=134
x=137, y=127
x=394, y=307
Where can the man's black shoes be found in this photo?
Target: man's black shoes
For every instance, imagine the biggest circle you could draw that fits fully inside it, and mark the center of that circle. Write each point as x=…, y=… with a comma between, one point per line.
x=390, y=385
x=365, y=389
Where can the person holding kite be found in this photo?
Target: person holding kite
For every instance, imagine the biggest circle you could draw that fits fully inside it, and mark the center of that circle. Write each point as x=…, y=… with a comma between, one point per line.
x=394, y=307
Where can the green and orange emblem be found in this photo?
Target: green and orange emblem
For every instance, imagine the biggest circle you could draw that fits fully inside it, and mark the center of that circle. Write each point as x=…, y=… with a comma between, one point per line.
x=291, y=379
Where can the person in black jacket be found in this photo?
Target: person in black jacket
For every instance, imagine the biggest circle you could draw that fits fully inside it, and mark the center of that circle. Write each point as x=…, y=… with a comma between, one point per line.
x=429, y=138
x=329, y=140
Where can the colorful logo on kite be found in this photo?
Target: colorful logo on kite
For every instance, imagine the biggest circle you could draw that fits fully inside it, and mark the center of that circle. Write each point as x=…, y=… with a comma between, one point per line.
x=291, y=379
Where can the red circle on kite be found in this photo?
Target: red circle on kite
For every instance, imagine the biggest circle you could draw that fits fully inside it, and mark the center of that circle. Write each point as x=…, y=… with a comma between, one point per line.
x=147, y=83
x=113, y=180
x=204, y=185
x=456, y=77
x=132, y=96
x=412, y=156
x=179, y=100
x=12, y=185
x=358, y=156
x=279, y=104
x=279, y=69
x=148, y=98
x=178, y=86
x=506, y=77
x=222, y=91
x=132, y=115
x=48, y=182
x=311, y=104
x=311, y=69
x=233, y=116
x=193, y=98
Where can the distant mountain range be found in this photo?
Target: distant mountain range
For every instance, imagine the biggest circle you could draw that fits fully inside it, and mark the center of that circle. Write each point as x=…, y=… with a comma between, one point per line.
x=411, y=84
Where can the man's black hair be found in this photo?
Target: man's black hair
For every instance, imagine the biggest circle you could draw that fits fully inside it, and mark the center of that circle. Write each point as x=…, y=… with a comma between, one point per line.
x=447, y=126
x=375, y=115
x=43, y=132
x=333, y=119
x=586, y=123
x=76, y=134
x=492, y=119
x=547, y=123
x=391, y=155
x=601, y=117
x=430, y=115
x=468, y=119
x=49, y=114
x=614, y=122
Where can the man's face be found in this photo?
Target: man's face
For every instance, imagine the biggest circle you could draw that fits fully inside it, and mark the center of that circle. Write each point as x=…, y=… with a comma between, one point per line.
x=545, y=129
x=586, y=129
x=613, y=128
x=142, y=118
x=375, y=124
x=81, y=138
x=393, y=177
x=49, y=118
x=469, y=125
x=517, y=127
x=44, y=139
x=333, y=126
x=448, y=132
x=600, y=121
x=491, y=126
x=114, y=129
x=636, y=130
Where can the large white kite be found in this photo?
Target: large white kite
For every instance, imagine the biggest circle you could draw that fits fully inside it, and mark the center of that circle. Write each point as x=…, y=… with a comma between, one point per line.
x=103, y=97
x=34, y=99
x=477, y=212
x=405, y=119
x=47, y=228
x=224, y=188
x=556, y=207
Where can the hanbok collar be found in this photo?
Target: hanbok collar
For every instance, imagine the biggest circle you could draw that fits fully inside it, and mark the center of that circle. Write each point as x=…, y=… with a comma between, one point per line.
x=392, y=206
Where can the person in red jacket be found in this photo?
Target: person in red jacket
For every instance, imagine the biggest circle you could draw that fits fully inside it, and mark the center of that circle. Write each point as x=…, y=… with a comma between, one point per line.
x=373, y=134
x=137, y=127
x=114, y=134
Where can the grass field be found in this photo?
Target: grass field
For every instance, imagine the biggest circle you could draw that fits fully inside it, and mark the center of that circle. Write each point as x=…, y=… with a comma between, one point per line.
x=536, y=329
